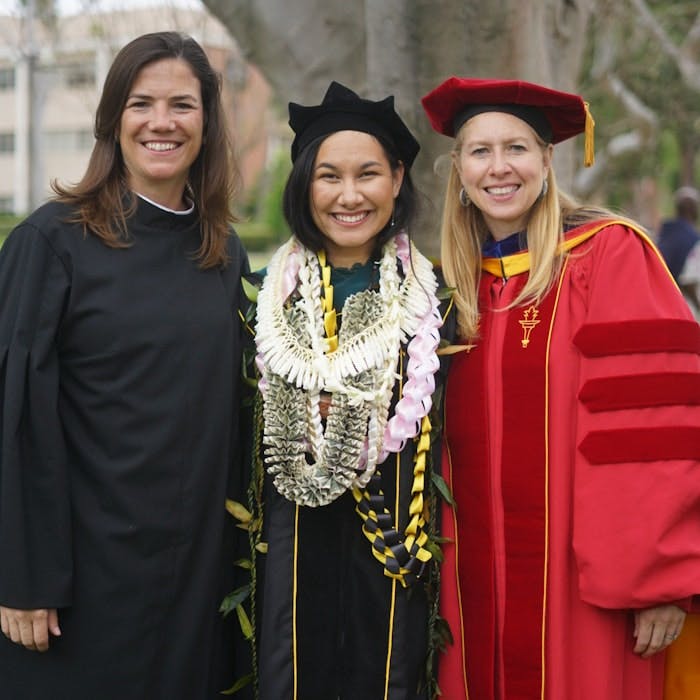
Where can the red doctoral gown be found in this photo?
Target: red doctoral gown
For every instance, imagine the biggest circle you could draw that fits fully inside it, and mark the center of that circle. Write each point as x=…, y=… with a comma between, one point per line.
x=572, y=446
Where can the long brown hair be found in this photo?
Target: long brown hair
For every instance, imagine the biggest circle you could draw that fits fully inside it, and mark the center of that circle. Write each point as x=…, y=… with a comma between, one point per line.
x=102, y=198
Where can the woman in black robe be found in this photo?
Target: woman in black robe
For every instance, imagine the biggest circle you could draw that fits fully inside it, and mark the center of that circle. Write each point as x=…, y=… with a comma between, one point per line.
x=119, y=365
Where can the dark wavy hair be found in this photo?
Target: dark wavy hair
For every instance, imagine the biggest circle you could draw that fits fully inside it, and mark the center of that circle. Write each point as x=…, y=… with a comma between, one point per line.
x=102, y=198
x=296, y=201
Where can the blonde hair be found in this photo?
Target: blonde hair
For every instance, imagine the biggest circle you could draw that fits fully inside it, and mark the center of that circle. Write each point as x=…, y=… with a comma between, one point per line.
x=463, y=232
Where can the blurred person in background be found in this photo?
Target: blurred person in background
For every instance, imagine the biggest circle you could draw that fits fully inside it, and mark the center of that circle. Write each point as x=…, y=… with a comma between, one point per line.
x=679, y=243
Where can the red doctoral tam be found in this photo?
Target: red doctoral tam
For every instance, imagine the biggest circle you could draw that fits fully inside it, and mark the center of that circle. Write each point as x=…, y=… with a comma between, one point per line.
x=554, y=115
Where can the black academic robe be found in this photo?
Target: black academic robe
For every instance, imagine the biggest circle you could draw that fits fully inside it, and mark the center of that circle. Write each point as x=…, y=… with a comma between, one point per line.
x=119, y=373
x=333, y=625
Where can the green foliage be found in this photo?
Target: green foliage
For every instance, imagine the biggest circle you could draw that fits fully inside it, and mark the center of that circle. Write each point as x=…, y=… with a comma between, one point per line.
x=668, y=174
x=271, y=213
x=244, y=622
x=251, y=292
x=436, y=550
x=239, y=685
x=650, y=74
x=256, y=235
x=264, y=226
x=445, y=293
x=7, y=223
x=443, y=634
x=443, y=489
x=234, y=599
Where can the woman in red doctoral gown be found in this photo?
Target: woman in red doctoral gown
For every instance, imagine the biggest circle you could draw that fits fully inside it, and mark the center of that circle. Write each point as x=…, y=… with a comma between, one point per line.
x=572, y=427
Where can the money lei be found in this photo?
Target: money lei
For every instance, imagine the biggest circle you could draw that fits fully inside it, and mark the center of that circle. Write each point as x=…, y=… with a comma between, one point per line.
x=311, y=464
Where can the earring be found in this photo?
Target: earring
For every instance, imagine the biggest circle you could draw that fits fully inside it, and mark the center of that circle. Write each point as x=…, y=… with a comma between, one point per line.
x=464, y=198
x=392, y=222
x=545, y=189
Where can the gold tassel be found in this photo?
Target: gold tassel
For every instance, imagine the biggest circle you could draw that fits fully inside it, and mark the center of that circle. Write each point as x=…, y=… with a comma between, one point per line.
x=589, y=146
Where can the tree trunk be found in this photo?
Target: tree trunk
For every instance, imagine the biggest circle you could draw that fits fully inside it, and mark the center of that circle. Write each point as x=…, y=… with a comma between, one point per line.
x=405, y=48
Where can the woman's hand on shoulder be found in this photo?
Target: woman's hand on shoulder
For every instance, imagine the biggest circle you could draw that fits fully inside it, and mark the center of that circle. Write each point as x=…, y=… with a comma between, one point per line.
x=657, y=628
x=30, y=628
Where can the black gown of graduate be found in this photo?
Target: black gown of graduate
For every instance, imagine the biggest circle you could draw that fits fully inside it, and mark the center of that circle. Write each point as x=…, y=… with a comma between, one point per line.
x=119, y=373
x=334, y=626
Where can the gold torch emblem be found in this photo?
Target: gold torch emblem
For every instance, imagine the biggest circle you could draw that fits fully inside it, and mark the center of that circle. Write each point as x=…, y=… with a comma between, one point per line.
x=528, y=322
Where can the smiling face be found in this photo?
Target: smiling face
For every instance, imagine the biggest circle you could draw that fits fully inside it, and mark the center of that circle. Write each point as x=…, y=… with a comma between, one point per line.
x=161, y=128
x=352, y=195
x=502, y=166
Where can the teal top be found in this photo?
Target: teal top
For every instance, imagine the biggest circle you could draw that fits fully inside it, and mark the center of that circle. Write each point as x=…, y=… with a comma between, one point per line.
x=347, y=281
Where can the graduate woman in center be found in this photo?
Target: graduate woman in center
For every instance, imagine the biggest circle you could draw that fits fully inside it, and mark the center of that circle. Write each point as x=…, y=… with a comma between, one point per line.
x=347, y=332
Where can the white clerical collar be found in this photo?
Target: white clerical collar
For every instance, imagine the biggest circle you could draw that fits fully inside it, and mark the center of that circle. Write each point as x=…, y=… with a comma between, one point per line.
x=179, y=212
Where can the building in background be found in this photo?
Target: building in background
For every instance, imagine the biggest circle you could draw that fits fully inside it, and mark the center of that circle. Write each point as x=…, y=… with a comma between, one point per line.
x=51, y=79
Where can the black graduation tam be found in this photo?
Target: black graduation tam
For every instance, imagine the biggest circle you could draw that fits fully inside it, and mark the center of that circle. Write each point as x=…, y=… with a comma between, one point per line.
x=554, y=115
x=341, y=110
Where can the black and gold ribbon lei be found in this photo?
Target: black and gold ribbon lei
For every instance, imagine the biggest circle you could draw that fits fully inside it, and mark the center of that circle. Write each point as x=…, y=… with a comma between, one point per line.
x=404, y=557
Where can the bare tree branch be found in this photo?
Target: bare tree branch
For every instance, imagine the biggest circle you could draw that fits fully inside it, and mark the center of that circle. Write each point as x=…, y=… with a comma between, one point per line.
x=606, y=44
x=587, y=179
x=688, y=68
x=642, y=114
x=691, y=45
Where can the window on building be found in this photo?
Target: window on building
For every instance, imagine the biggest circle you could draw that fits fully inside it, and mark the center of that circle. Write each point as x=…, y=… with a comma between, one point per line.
x=80, y=140
x=7, y=142
x=7, y=78
x=78, y=74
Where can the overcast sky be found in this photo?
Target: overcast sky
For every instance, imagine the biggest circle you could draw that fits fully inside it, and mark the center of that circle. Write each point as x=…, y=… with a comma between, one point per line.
x=72, y=6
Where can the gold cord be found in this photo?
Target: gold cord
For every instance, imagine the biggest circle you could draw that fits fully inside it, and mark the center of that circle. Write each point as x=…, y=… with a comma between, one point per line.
x=330, y=321
x=413, y=551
